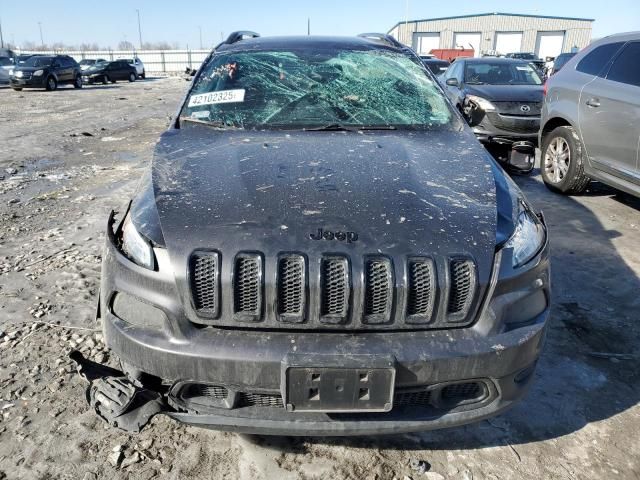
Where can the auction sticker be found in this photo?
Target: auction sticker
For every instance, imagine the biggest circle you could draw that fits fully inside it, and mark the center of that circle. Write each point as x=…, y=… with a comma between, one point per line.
x=222, y=96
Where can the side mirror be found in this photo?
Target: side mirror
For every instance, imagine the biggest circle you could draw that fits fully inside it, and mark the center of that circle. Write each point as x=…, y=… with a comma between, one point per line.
x=452, y=82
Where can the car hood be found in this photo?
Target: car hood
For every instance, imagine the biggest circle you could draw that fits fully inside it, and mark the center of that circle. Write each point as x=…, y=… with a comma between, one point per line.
x=507, y=93
x=400, y=193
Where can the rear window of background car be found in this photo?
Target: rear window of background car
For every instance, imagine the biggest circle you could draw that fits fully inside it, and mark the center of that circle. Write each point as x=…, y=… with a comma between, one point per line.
x=595, y=61
x=626, y=66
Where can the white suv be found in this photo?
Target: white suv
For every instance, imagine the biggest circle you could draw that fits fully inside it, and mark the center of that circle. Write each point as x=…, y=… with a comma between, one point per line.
x=139, y=66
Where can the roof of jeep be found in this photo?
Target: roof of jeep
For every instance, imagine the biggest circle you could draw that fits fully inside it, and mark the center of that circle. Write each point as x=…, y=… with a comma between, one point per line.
x=309, y=41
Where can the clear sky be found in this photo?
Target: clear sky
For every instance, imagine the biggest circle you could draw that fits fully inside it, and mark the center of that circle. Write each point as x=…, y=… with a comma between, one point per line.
x=109, y=22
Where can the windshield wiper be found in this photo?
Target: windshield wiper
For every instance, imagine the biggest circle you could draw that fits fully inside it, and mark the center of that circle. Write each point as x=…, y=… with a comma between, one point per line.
x=336, y=127
x=220, y=125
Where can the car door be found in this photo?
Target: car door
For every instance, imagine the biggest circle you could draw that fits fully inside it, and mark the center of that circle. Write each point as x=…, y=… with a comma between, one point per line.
x=67, y=69
x=454, y=92
x=609, y=114
x=119, y=71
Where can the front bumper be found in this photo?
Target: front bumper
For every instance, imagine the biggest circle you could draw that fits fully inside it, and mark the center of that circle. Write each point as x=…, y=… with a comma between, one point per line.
x=495, y=127
x=32, y=82
x=494, y=352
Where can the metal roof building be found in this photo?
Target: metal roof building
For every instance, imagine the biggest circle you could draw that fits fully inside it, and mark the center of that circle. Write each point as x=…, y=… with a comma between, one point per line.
x=496, y=32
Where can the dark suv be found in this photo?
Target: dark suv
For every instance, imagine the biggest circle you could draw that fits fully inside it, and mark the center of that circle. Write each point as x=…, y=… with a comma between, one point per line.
x=46, y=71
x=320, y=247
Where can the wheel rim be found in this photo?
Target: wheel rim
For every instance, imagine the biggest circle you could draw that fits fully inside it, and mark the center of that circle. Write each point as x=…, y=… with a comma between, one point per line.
x=52, y=83
x=557, y=159
x=132, y=77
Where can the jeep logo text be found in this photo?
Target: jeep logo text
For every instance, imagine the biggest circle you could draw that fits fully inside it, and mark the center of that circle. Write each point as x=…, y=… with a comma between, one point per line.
x=329, y=235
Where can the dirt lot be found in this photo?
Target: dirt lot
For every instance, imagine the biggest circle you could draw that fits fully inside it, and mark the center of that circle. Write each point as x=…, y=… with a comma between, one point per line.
x=69, y=156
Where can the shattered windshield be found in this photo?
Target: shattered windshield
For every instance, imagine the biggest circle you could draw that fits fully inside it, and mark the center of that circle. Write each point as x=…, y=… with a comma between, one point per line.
x=311, y=89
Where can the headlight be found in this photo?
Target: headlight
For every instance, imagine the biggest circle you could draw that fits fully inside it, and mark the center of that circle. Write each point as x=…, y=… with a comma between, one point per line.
x=19, y=74
x=11, y=72
x=136, y=247
x=483, y=103
x=528, y=237
x=38, y=73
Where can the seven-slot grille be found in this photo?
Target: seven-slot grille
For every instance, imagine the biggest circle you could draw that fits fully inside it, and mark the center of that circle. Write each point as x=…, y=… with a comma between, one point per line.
x=292, y=281
x=420, y=296
x=378, y=289
x=462, y=286
x=422, y=290
x=205, y=282
x=247, y=287
x=335, y=289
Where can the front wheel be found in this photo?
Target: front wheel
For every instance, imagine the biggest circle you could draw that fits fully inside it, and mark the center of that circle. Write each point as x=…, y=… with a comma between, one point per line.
x=51, y=84
x=77, y=83
x=562, y=162
x=144, y=74
x=132, y=77
x=105, y=79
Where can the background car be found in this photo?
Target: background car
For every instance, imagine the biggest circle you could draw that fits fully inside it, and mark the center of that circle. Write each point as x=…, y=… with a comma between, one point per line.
x=501, y=100
x=530, y=57
x=89, y=62
x=46, y=71
x=591, y=118
x=437, y=66
x=138, y=65
x=106, y=72
x=561, y=60
x=6, y=65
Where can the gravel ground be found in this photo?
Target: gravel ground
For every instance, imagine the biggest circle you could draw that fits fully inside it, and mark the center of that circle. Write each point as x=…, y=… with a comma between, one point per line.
x=67, y=157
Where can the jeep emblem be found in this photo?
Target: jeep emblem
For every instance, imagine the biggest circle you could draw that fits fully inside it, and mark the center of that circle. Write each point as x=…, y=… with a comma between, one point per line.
x=329, y=235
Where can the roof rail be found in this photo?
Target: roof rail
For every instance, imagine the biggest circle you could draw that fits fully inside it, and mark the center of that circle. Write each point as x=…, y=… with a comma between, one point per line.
x=240, y=35
x=384, y=38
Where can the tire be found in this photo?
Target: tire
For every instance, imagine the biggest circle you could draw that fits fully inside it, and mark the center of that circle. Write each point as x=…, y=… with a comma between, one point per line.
x=17, y=89
x=52, y=84
x=144, y=74
x=132, y=77
x=77, y=83
x=105, y=79
x=562, y=162
x=112, y=80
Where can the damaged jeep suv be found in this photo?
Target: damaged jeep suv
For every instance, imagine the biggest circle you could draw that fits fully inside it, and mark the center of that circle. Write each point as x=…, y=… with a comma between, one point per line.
x=321, y=247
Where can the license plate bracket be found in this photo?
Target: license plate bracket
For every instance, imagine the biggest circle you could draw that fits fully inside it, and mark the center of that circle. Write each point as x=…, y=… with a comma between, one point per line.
x=333, y=384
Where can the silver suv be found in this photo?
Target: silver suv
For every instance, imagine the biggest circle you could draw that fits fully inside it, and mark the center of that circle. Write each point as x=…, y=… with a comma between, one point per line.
x=590, y=127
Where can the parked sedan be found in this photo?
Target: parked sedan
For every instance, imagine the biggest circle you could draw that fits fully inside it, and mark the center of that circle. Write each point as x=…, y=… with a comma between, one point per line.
x=437, y=66
x=46, y=71
x=90, y=62
x=501, y=100
x=106, y=72
x=591, y=118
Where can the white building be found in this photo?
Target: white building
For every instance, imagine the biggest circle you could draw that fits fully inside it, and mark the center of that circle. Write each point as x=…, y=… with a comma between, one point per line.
x=496, y=32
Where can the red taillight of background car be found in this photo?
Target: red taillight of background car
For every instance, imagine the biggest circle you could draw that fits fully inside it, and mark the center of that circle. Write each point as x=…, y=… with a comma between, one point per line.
x=544, y=89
